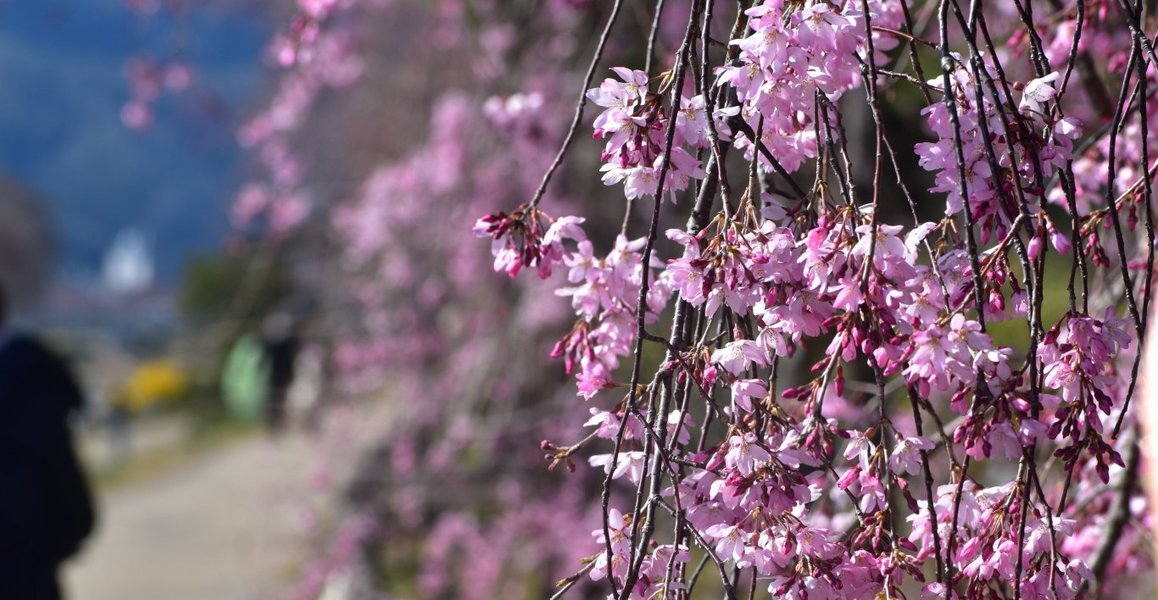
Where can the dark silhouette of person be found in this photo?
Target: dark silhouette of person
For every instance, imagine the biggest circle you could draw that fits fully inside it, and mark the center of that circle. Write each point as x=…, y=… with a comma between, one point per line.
x=280, y=345
x=46, y=510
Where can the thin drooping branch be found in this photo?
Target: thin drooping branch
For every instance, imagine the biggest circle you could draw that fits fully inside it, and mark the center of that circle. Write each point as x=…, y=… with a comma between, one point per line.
x=580, y=104
x=680, y=70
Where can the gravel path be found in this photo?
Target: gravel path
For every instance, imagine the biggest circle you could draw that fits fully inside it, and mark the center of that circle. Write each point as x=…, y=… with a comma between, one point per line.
x=225, y=526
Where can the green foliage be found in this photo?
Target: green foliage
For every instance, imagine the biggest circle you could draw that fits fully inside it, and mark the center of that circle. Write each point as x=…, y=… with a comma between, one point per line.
x=213, y=286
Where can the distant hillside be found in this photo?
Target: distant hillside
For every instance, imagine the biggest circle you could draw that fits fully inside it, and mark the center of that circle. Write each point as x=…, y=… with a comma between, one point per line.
x=62, y=65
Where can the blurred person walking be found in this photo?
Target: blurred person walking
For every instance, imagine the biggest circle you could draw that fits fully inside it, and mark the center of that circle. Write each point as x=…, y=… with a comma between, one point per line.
x=281, y=344
x=307, y=394
x=46, y=510
x=244, y=378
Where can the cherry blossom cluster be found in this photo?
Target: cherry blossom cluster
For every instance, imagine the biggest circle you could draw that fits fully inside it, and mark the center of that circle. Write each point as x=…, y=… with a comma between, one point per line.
x=842, y=410
x=603, y=289
x=794, y=54
x=1078, y=363
x=634, y=126
x=989, y=543
x=1008, y=152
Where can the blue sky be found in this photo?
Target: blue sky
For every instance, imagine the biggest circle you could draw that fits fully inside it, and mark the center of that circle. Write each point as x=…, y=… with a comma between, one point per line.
x=61, y=91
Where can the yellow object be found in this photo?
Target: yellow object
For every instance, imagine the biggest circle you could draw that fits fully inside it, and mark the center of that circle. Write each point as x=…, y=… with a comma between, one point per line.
x=154, y=383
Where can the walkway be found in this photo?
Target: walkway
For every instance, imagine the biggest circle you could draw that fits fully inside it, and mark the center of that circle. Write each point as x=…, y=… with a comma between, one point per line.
x=223, y=526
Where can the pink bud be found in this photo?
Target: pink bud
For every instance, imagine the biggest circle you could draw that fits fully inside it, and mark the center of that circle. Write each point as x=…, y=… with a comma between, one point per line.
x=848, y=478
x=1060, y=242
x=1035, y=247
x=710, y=375
x=716, y=460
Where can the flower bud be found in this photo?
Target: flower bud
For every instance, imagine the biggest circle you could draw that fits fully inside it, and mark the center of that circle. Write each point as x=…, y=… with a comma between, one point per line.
x=1035, y=247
